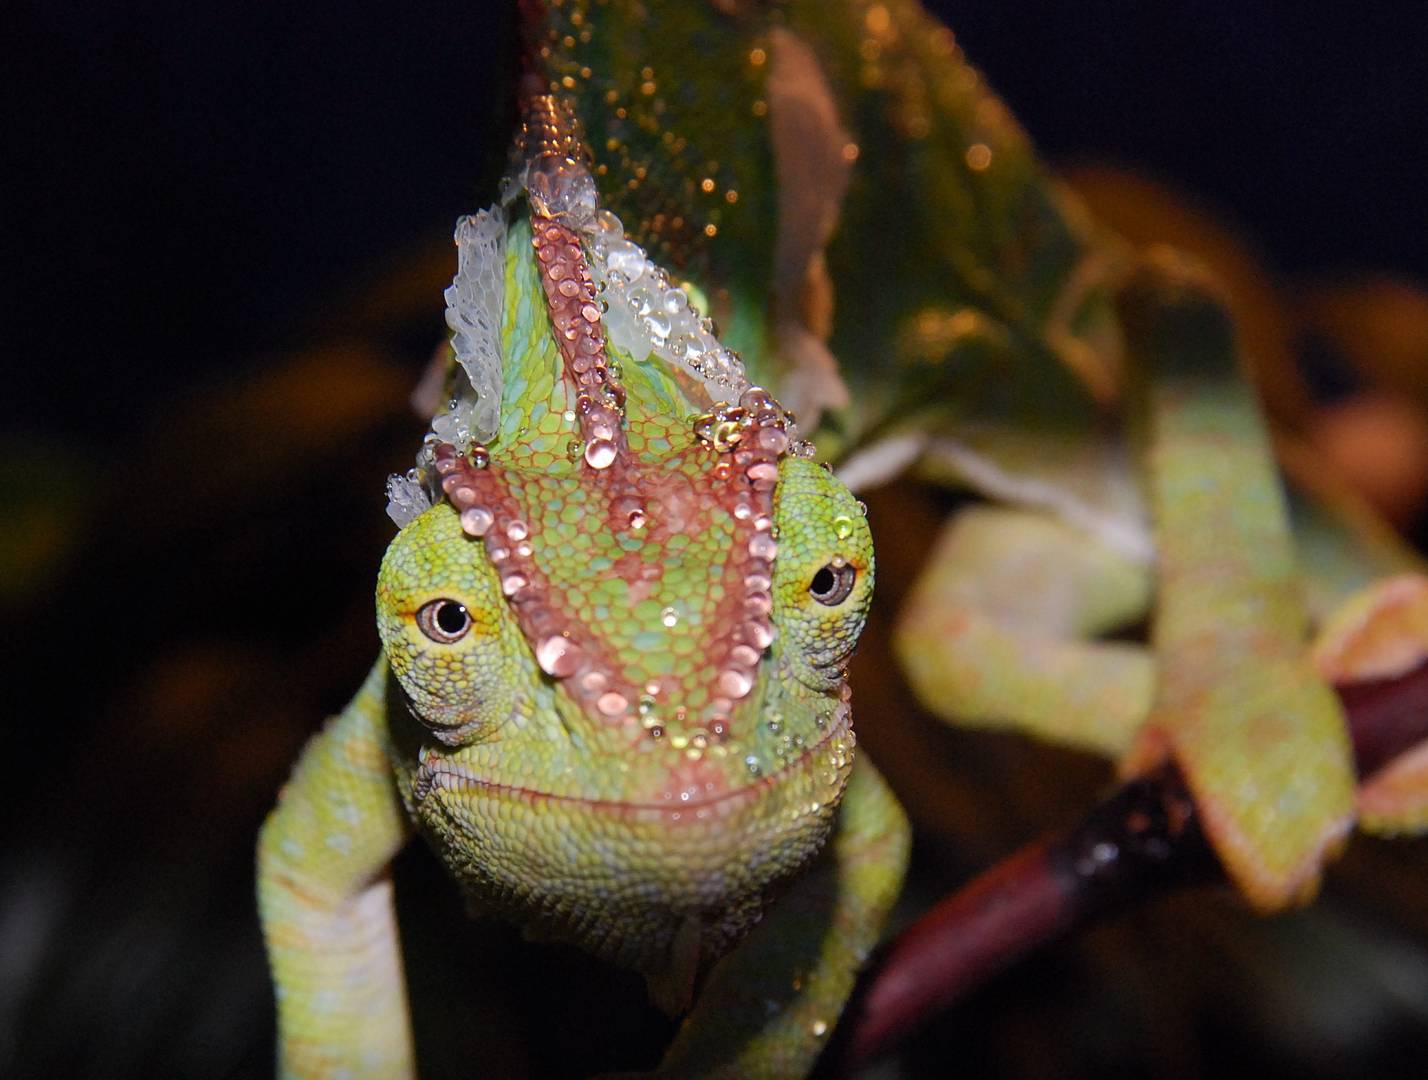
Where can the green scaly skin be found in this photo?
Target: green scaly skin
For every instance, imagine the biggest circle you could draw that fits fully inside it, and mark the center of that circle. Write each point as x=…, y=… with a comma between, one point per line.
x=986, y=333
x=973, y=315
x=650, y=832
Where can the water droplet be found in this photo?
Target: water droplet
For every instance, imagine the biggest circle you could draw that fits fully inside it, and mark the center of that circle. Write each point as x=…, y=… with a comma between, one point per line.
x=600, y=454
x=475, y=520
x=819, y=1028
x=843, y=526
x=641, y=301
x=735, y=682
x=627, y=260
x=612, y=703
x=773, y=439
x=744, y=655
x=752, y=764
x=762, y=546
x=557, y=656
x=609, y=225
x=563, y=188
x=669, y=617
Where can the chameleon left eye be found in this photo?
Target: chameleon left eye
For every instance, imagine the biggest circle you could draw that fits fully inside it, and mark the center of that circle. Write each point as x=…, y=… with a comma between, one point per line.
x=444, y=621
x=833, y=583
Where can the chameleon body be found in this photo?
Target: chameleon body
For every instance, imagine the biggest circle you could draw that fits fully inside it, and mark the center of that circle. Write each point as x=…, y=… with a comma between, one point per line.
x=989, y=334
x=612, y=693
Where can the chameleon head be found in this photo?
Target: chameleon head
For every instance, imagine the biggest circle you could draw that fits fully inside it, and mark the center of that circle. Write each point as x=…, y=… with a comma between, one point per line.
x=620, y=637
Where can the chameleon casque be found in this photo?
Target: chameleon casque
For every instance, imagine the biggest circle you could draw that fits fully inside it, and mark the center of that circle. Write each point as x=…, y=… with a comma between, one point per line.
x=615, y=619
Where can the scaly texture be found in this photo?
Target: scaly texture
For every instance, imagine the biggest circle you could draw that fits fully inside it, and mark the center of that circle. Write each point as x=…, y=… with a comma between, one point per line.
x=327, y=907
x=999, y=631
x=1257, y=732
x=617, y=706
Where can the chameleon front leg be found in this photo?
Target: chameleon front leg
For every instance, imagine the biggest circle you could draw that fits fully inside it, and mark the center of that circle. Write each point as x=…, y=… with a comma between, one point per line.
x=326, y=902
x=770, y=1005
x=999, y=630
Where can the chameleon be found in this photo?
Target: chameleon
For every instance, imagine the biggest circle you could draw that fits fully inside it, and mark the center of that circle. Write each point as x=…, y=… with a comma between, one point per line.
x=612, y=695
x=567, y=710
x=889, y=251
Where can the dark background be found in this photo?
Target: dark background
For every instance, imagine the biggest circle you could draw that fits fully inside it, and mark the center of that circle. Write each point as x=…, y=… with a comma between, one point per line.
x=187, y=182
x=193, y=194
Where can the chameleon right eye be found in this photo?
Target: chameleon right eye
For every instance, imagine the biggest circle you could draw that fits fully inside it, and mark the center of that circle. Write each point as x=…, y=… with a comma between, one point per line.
x=444, y=621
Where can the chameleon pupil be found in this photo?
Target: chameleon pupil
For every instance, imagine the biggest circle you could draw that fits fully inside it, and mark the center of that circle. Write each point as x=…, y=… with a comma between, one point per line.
x=832, y=584
x=451, y=617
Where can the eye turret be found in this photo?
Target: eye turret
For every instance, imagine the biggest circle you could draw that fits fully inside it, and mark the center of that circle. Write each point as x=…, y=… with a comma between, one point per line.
x=446, y=631
x=823, y=577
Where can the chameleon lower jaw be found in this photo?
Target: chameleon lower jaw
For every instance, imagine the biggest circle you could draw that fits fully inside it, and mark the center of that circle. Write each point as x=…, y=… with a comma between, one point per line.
x=621, y=879
x=438, y=774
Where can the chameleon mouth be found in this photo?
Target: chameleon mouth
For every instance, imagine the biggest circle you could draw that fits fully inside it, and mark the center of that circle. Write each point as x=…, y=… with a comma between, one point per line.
x=439, y=774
